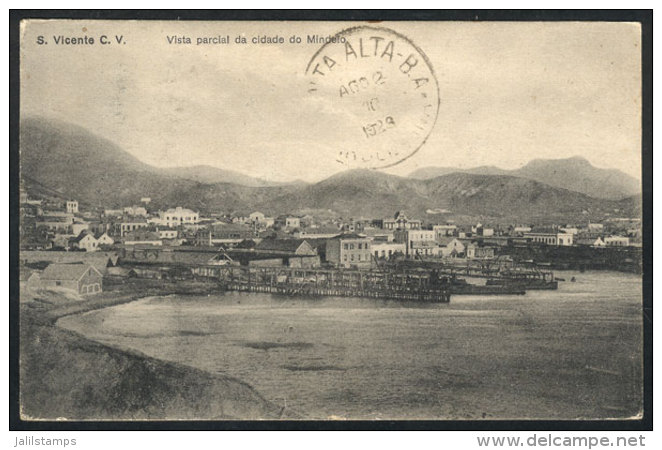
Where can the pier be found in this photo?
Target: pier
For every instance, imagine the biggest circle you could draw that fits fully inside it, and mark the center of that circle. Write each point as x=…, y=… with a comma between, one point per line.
x=407, y=285
x=497, y=272
x=422, y=281
x=411, y=285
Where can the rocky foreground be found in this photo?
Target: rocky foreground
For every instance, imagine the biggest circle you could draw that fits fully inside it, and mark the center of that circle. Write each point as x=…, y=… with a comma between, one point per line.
x=63, y=375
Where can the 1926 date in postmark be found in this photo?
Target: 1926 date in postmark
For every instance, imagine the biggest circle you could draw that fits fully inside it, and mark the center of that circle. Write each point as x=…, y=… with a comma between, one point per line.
x=386, y=88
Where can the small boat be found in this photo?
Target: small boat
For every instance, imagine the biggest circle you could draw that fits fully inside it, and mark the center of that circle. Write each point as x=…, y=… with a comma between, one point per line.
x=559, y=279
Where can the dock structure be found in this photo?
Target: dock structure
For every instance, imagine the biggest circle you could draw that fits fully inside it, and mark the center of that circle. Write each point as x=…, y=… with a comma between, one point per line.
x=415, y=285
x=409, y=285
x=505, y=271
x=423, y=281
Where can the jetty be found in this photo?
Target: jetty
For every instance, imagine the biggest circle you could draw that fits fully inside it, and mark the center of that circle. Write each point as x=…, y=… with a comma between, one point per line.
x=405, y=285
x=422, y=281
x=497, y=272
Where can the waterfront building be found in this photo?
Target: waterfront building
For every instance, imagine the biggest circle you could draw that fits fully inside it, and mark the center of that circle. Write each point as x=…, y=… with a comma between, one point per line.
x=617, y=241
x=551, y=237
x=81, y=278
x=590, y=241
x=417, y=242
x=477, y=251
x=349, y=249
x=387, y=249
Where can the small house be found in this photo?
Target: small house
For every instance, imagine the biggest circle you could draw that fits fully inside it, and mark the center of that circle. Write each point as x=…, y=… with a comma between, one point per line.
x=83, y=279
x=84, y=241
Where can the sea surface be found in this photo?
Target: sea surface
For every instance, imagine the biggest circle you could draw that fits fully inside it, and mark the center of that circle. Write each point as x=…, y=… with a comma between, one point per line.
x=571, y=353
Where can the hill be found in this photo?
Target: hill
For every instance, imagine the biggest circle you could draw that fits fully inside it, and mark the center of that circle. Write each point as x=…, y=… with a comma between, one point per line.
x=212, y=175
x=575, y=174
x=64, y=161
x=362, y=193
x=75, y=163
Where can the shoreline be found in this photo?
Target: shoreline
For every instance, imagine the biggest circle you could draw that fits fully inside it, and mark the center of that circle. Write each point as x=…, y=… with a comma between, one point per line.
x=64, y=375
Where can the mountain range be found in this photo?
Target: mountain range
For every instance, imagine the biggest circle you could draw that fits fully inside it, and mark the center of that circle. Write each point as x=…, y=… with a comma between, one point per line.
x=65, y=161
x=211, y=175
x=576, y=174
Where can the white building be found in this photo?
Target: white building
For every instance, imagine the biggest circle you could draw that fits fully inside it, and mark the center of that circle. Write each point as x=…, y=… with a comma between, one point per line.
x=385, y=249
x=84, y=241
x=167, y=233
x=127, y=225
x=175, y=217
x=290, y=222
x=475, y=251
x=104, y=239
x=617, y=241
x=444, y=230
x=256, y=217
x=591, y=241
x=417, y=242
x=135, y=211
x=401, y=222
x=260, y=221
x=72, y=206
x=452, y=247
x=481, y=230
x=551, y=238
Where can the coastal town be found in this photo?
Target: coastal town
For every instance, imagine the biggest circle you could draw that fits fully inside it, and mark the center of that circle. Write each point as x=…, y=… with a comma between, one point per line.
x=327, y=224
x=66, y=245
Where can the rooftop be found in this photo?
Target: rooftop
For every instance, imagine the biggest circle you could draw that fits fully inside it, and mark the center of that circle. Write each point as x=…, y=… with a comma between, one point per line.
x=280, y=245
x=59, y=271
x=350, y=236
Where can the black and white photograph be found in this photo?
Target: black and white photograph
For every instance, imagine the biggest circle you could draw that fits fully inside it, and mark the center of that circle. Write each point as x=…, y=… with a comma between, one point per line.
x=325, y=220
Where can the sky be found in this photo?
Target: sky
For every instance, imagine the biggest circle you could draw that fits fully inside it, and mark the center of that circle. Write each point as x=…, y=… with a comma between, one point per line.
x=507, y=93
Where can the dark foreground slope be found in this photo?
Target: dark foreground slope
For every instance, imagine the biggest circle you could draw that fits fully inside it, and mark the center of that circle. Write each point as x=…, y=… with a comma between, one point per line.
x=65, y=375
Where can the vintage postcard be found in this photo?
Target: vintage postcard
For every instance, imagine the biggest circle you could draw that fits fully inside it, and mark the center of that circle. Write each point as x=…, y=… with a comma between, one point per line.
x=319, y=220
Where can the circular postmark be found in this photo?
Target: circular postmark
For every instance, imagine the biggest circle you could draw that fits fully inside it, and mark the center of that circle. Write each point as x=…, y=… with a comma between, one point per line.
x=383, y=90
